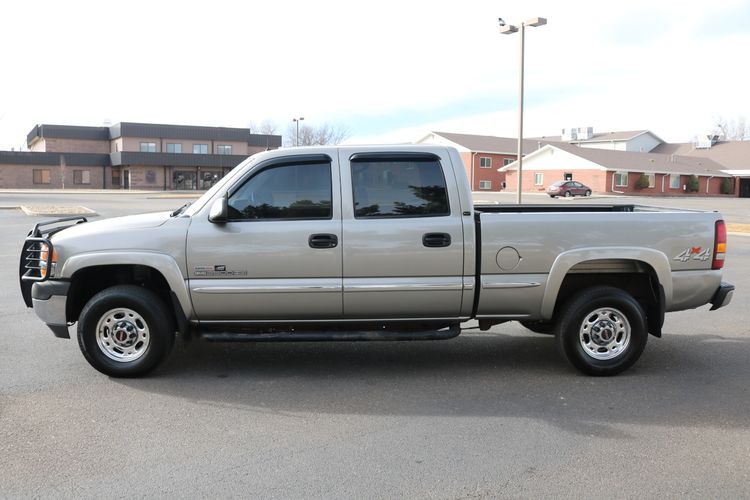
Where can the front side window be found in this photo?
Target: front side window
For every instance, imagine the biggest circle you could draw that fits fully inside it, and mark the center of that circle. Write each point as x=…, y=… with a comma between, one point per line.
x=148, y=147
x=485, y=162
x=81, y=177
x=621, y=179
x=674, y=181
x=538, y=179
x=200, y=149
x=285, y=192
x=224, y=149
x=485, y=184
x=174, y=147
x=399, y=188
x=41, y=176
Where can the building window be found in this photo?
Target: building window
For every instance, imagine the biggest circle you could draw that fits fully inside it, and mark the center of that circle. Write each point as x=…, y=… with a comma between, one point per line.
x=621, y=179
x=651, y=180
x=224, y=149
x=674, y=181
x=81, y=177
x=538, y=179
x=173, y=147
x=507, y=161
x=200, y=149
x=485, y=162
x=148, y=147
x=485, y=184
x=41, y=176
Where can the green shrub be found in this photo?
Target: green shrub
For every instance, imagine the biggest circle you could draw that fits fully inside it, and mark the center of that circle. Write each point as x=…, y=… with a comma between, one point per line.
x=727, y=186
x=693, y=184
x=642, y=182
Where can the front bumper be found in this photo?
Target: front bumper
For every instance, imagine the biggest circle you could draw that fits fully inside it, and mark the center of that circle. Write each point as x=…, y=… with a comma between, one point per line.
x=49, y=299
x=723, y=296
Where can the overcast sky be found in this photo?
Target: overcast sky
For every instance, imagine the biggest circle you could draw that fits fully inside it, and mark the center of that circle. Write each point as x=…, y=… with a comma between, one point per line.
x=387, y=70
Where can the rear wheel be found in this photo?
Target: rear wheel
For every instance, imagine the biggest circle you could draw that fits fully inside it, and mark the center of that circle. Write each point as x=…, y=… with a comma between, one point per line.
x=602, y=331
x=568, y=194
x=125, y=331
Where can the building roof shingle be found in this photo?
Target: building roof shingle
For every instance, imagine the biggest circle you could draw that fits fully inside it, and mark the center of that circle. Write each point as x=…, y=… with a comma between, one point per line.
x=491, y=143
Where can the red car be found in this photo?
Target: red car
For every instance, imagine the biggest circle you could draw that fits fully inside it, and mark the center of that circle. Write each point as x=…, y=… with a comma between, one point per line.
x=568, y=189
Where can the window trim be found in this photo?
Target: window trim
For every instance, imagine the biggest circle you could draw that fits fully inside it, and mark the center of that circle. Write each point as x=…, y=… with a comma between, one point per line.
x=283, y=162
x=148, y=145
x=621, y=174
x=679, y=181
x=541, y=178
x=507, y=161
x=220, y=146
x=75, y=171
x=174, y=144
x=651, y=180
x=489, y=187
x=398, y=156
x=200, y=144
x=41, y=170
x=482, y=158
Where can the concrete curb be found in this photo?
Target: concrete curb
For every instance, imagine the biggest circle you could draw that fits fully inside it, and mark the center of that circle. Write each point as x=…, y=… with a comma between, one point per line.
x=57, y=211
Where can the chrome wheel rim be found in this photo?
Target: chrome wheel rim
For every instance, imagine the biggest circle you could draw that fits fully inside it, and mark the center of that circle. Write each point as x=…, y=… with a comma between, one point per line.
x=605, y=333
x=122, y=335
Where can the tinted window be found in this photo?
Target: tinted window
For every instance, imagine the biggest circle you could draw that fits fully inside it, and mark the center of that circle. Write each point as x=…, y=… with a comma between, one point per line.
x=285, y=192
x=399, y=188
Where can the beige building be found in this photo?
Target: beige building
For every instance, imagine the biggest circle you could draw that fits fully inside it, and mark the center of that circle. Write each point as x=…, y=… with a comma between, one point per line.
x=129, y=156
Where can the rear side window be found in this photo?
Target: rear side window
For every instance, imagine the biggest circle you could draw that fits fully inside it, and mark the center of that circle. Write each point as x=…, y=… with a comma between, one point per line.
x=284, y=192
x=399, y=188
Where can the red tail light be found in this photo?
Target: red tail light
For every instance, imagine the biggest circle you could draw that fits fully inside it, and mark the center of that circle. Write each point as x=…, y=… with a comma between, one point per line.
x=720, y=245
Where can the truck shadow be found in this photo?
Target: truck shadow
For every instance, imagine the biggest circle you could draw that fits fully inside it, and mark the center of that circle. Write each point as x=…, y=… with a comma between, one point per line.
x=691, y=380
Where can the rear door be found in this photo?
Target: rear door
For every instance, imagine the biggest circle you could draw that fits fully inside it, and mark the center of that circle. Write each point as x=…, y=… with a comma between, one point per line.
x=403, y=236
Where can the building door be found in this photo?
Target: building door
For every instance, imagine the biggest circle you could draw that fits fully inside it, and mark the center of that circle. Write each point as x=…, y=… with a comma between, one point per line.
x=126, y=179
x=744, y=188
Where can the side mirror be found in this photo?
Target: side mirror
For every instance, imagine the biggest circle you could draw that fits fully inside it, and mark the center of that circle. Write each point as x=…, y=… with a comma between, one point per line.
x=218, y=212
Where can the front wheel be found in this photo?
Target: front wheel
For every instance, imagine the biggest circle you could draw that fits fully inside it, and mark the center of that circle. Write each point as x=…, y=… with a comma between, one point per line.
x=602, y=331
x=587, y=193
x=125, y=331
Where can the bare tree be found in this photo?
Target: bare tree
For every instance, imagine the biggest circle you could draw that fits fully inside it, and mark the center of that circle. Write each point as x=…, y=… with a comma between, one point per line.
x=316, y=136
x=732, y=130
x=267, y=127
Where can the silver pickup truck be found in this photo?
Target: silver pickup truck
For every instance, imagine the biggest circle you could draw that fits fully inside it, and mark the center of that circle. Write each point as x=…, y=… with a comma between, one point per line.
x=368, y=243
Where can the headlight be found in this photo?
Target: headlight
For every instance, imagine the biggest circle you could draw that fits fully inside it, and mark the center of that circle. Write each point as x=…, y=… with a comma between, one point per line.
x=43, y=257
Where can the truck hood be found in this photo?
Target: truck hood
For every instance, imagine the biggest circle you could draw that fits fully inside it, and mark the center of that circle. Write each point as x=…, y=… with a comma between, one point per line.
x=141, y=221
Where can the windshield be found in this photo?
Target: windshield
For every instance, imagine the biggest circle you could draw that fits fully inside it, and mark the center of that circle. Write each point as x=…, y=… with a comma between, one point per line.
x=200, y=202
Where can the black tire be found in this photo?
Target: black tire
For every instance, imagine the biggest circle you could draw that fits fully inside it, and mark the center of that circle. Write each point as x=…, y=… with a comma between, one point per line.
x=552, y=196
x=568, y=194
x=148, y=318
x=545, y=327
x=587, y=193
x=590, y=309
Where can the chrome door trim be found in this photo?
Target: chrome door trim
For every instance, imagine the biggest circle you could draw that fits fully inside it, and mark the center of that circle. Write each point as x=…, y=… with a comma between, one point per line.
x=525, y=284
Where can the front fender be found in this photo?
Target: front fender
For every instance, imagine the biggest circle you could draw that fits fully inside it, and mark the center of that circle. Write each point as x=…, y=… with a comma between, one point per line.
x=165, y=264
x=566, y=260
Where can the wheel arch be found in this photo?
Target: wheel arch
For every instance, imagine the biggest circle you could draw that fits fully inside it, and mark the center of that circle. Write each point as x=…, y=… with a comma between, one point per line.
x=91, y=273
x=626, y=267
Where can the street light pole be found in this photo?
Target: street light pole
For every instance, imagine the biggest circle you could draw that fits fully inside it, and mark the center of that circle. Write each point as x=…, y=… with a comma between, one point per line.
x=506, y=30
x=296, y=137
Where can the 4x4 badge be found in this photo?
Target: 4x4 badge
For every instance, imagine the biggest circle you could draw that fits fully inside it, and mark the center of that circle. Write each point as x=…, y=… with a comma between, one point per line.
x=695, y=253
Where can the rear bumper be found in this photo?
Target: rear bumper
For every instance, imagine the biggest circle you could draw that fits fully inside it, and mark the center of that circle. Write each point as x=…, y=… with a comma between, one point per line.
x=723, y=296
x=49, y=299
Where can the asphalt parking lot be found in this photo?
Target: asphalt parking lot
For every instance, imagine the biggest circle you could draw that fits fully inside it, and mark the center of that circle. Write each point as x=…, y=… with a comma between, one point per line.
x=496, y=414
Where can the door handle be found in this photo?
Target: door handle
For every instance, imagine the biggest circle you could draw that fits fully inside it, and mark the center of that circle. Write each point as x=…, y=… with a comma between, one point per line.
x=436, y=240
x=323, y=240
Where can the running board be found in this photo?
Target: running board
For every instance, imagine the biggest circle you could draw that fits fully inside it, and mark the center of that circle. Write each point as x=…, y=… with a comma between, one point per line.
x=320, y=336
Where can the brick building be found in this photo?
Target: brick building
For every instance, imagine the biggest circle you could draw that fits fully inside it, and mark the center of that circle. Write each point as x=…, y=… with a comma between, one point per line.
x=483, y=155
x=129, y=156
x=618, y=172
